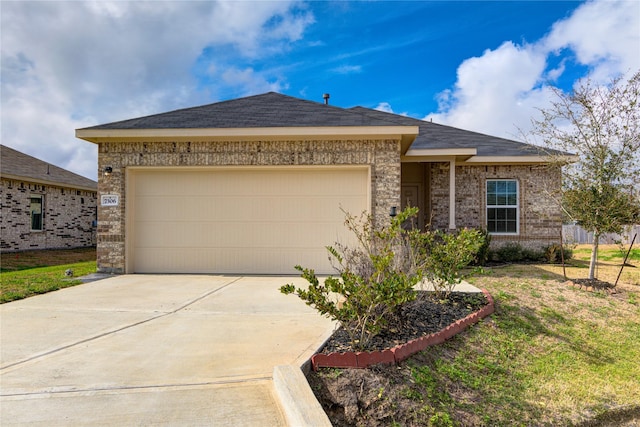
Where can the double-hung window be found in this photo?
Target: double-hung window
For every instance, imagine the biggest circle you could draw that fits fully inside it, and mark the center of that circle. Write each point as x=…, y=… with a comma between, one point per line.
x=36, y=213
x=502, y=206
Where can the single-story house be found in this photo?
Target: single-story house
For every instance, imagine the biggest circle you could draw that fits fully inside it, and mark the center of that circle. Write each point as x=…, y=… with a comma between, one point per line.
x=259, y=184
x=44, y=206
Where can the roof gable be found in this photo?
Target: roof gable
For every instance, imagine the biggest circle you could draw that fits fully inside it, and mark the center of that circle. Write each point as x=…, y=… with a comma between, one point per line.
x=17, y=165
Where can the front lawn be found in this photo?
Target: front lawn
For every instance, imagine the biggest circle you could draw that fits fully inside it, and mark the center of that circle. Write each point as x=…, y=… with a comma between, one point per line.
x=25, y=274
x=552, y=354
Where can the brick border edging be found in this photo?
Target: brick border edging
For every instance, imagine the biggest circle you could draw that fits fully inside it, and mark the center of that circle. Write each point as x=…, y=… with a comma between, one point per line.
x=400, y=352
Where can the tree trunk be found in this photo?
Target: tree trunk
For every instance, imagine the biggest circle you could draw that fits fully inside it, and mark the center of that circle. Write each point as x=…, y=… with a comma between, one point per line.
x=594, y=255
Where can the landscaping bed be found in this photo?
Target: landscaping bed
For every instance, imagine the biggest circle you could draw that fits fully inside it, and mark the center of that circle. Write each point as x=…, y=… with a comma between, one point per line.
x=423, y=316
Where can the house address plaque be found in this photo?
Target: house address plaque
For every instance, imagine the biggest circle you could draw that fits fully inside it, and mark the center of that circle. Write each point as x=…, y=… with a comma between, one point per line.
x=109, y=200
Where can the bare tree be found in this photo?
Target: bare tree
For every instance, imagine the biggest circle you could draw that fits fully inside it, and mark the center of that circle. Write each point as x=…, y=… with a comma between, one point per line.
x=601, y=125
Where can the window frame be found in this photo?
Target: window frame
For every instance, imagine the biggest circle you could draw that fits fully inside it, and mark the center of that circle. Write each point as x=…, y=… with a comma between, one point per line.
x=515, y=206
x=31, y=212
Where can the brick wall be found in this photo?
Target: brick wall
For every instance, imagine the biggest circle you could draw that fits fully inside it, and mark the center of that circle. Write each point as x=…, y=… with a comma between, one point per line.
x=383, y=156
x=67, y=220
x=540, y=218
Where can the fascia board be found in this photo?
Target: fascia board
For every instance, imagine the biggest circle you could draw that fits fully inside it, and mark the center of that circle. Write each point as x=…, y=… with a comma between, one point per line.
x=520, y=159
x=100, y=135
x=440, y=152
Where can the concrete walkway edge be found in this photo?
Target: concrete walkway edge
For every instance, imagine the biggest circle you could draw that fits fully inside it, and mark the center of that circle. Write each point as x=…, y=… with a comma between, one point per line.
x=299, y=404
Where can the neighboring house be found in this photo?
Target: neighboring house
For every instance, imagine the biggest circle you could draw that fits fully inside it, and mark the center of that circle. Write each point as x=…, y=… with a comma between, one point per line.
x=44, y=206
x=258, y=184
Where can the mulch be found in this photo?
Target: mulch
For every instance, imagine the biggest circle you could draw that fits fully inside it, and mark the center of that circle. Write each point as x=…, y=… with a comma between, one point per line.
x=425, y=315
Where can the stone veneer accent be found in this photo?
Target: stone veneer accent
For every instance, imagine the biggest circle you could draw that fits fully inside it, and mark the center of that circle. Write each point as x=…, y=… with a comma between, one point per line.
x=68, y=217
x=540, y=218
x=383, y=156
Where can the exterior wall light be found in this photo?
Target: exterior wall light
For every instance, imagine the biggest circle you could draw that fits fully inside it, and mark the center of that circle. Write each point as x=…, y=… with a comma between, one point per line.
x=108, y=170
x=393, y=212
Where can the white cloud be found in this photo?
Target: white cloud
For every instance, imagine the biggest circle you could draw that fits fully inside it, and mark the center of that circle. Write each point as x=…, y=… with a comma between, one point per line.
x=498, y=92
x=68, y=65
x=347, y=69
x=250, y=81
x=604, y=35
x=384, y=106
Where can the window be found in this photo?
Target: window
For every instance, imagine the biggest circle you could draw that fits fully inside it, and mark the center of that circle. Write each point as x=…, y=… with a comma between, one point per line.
x=36, y=213
x=502, y=206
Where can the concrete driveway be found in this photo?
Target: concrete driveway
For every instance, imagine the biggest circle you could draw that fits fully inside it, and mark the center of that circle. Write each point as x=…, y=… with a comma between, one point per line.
x=153, y=350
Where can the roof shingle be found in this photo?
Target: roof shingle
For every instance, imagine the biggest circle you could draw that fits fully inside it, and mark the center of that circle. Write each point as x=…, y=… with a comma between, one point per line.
x=267, y=110
x=275, y=110
x=15, y=164
x=435, y=136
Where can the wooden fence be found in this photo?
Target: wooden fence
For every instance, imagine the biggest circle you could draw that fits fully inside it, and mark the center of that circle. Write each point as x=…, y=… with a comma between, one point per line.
x=576, y=234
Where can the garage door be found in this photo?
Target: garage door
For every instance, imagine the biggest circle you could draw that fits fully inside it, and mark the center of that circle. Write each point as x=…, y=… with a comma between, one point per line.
x=240, y=220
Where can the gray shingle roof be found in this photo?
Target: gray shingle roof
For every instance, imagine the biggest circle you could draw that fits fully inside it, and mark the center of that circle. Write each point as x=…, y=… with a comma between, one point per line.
x=19, y=165
x=434, y=136
x=267, y=110
x=273, y=110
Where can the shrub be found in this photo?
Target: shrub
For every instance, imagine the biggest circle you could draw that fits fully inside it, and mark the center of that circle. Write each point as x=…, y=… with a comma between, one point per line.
x=482, y=256
x=533, y=255
x=374, y=279
x=511, y=252
x=552, y=253
x=446, y=254
x=380, y=274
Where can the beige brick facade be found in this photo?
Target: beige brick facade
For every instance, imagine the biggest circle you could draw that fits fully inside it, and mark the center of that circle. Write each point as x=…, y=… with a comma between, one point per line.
x=539, y=216
x=67, y=221
x=382, y=156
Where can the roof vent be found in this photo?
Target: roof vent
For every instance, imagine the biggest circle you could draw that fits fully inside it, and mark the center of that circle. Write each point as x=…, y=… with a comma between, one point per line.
x=326, y=97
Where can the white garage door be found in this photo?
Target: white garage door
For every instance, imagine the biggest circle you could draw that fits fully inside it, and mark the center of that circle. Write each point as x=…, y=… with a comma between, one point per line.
x=240, y=220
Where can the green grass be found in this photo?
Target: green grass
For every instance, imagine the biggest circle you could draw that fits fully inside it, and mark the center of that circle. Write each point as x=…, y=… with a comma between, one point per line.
x=25, y=274
x=613, y=253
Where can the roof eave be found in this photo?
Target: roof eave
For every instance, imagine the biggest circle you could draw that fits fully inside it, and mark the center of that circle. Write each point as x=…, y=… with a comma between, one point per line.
x=438, y=154
x=406, y=133
x=47, y=182
x=538, y=159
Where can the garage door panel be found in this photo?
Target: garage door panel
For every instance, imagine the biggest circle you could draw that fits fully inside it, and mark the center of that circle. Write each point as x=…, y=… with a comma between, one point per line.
x=159, y=235
x=185, y=208
x=242, y=220
x=222, y=262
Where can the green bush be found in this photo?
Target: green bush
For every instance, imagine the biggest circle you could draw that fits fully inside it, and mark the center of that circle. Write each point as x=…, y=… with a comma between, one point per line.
x=514, y=252
x=482, y=256
x=448, y=253
x=533, y=255
x=510, y=252
x=379, y=275
x=374, y=279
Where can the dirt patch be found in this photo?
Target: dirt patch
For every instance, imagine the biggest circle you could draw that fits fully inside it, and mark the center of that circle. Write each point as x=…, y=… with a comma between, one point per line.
x=382, y=396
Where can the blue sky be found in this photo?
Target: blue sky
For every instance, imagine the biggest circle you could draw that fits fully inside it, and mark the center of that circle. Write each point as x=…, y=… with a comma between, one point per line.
x=483, y=66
